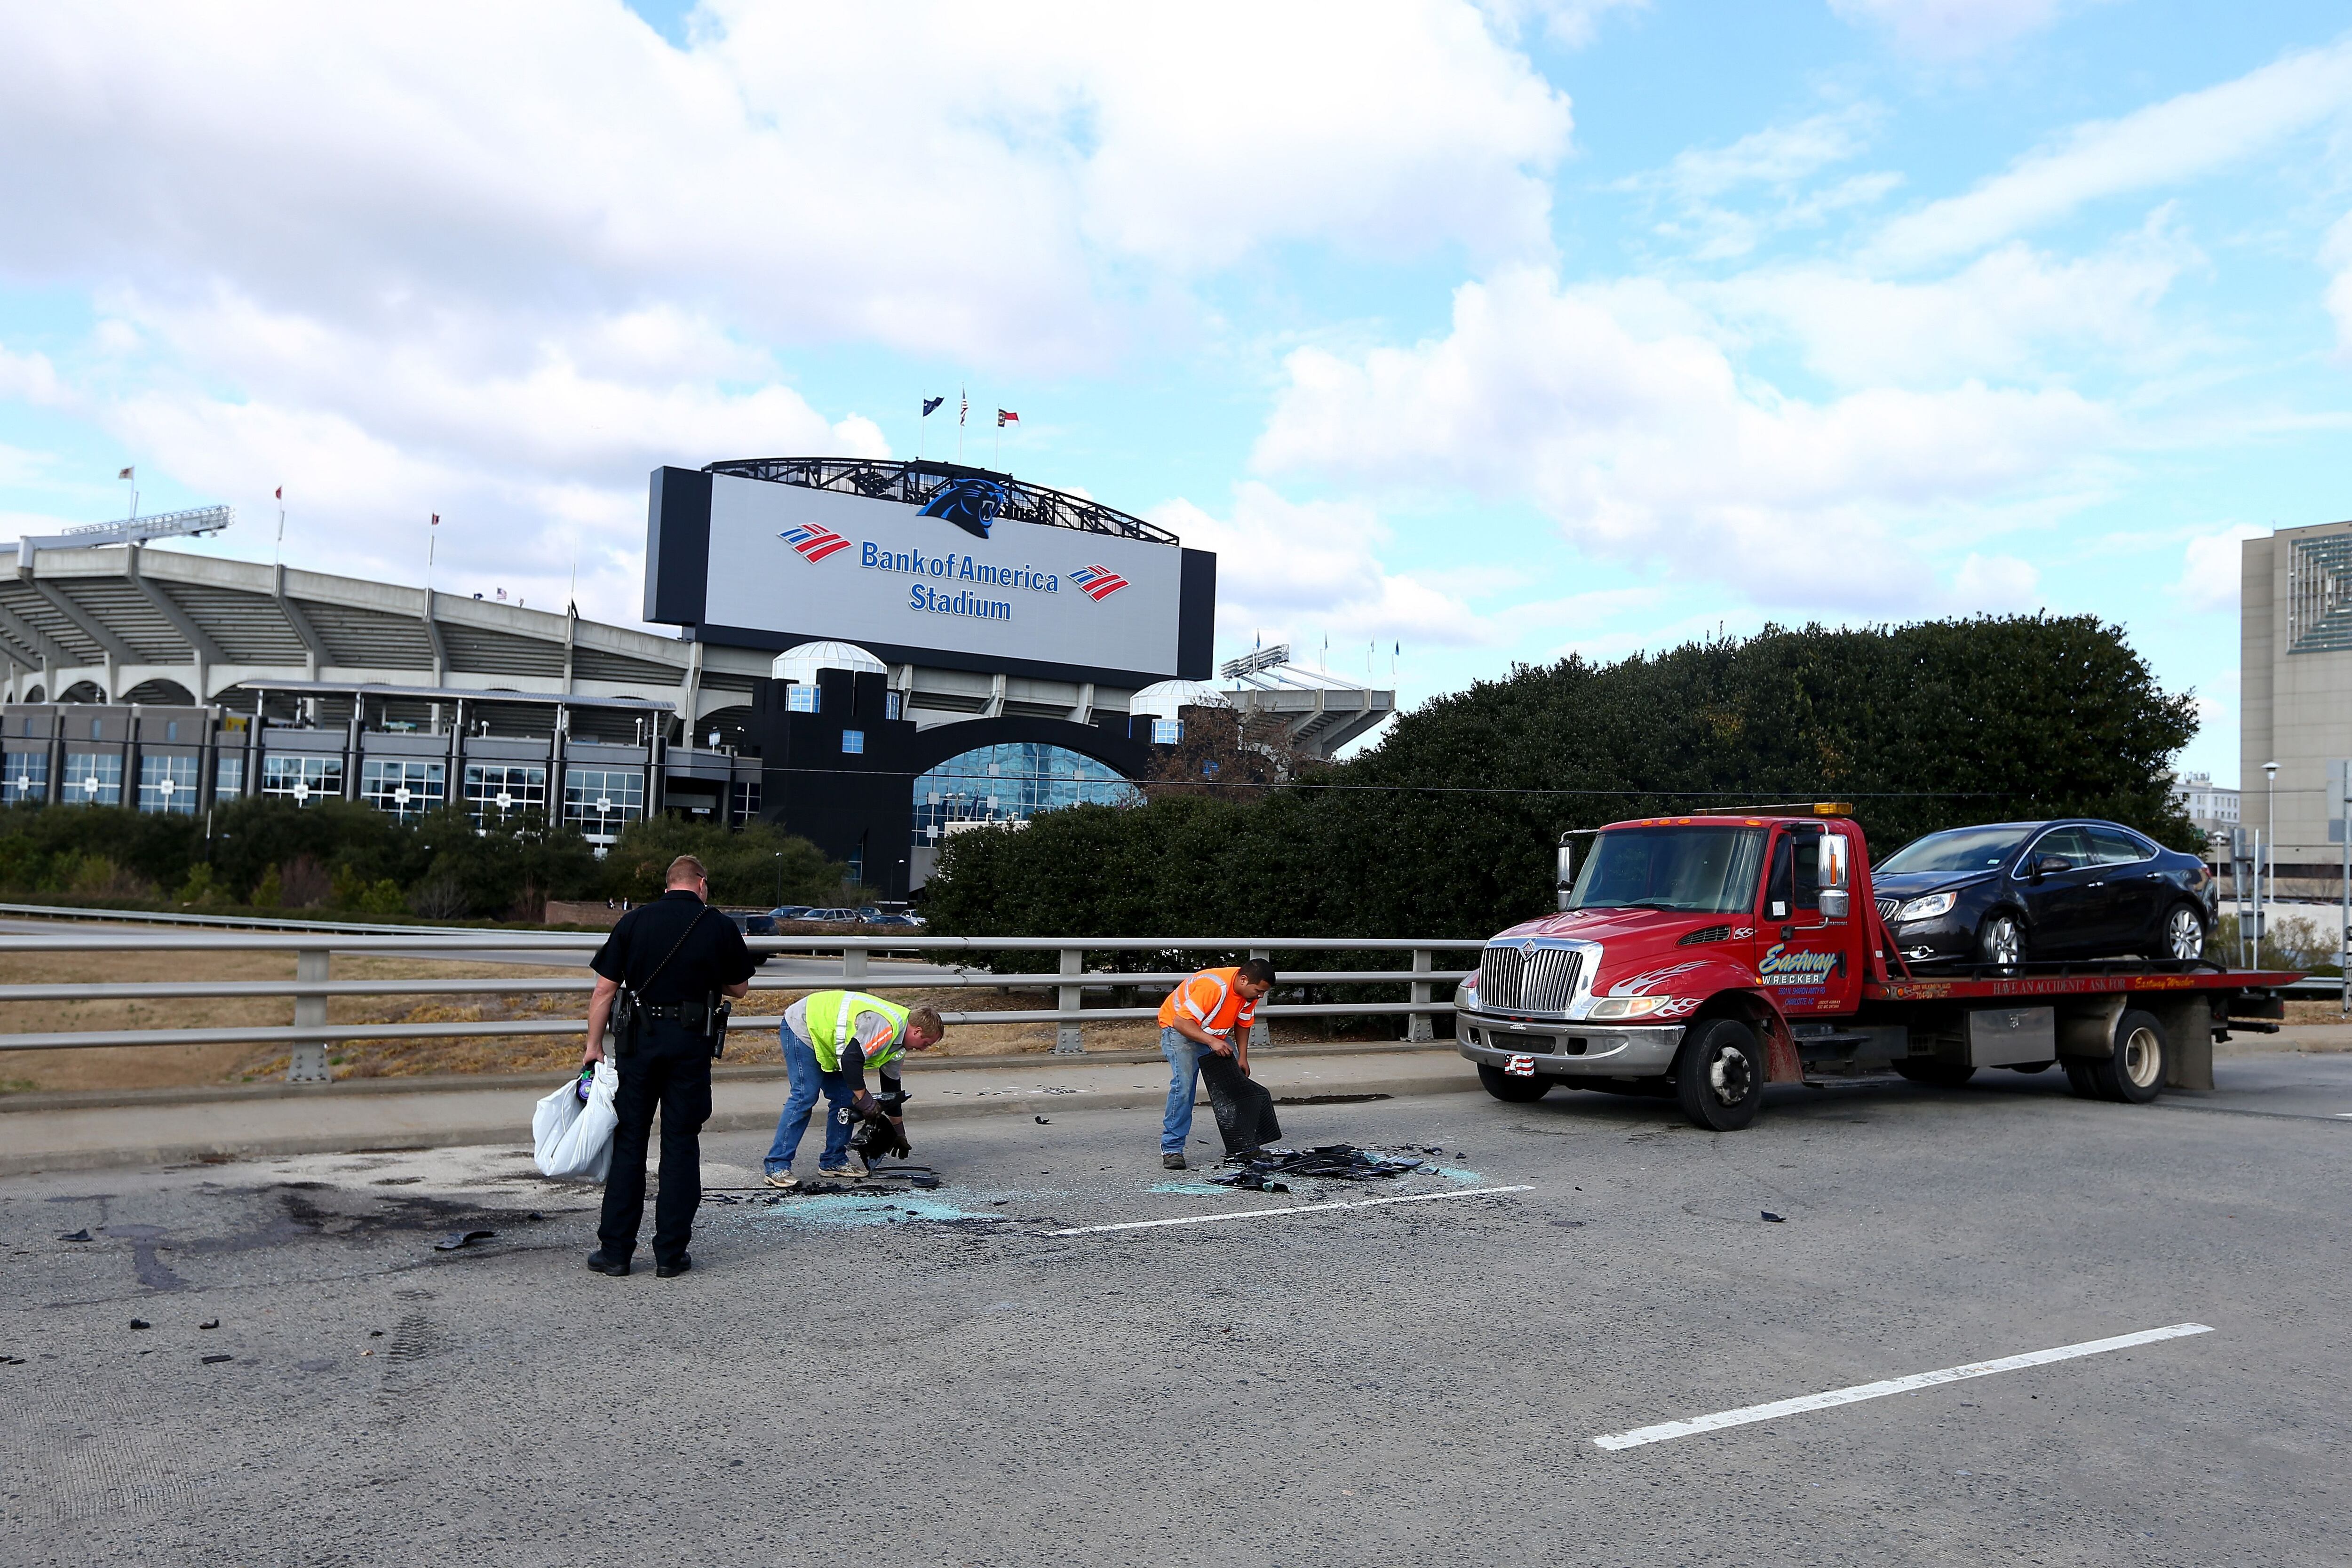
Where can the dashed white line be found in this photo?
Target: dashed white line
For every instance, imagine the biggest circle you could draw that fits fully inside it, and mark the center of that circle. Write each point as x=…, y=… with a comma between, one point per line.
x=1666, y=1431
x=1300, y=1208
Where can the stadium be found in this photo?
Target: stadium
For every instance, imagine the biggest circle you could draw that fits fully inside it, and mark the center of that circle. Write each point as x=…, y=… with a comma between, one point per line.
x=874, y=654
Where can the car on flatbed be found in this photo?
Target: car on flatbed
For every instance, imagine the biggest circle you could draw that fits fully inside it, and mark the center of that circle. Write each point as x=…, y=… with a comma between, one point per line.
x=2006, y=892
x=1704, y=957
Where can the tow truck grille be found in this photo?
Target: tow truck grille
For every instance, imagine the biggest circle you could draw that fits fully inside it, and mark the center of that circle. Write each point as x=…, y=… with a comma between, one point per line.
x=1533, y=980
x=1886, y=908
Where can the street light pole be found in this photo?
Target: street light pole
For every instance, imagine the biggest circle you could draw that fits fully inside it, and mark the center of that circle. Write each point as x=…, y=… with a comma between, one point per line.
x=2270, y=863
x=780, y=879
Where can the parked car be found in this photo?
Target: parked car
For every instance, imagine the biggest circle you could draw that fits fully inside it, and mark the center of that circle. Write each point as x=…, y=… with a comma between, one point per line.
x=751, y=922
x=836, y=916
x=894, y=922
x=788, y=912
x=2017, y=892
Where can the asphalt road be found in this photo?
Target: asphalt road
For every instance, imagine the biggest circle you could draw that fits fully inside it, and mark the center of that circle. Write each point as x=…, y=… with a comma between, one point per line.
x=946, y=1382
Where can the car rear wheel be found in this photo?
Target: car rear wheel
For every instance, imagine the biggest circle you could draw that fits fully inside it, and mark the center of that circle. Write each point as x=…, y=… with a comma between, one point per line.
x=2184, y=933
x=2133, y=1072
x=1512, y=1090
x=1720, y=1078
x=2001, y=939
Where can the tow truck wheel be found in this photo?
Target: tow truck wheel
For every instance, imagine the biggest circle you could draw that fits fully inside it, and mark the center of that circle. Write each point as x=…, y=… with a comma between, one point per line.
x=1720, y=1078
x=2134, y=1073
x=1509, y=1090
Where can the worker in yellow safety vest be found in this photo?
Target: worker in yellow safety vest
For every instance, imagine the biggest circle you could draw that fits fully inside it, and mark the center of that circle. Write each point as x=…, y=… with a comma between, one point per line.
x=830, y=1038
x=1204, y=1027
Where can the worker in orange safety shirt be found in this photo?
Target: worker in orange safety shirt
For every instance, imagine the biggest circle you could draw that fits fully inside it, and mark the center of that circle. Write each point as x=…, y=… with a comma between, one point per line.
x=1204, y=1028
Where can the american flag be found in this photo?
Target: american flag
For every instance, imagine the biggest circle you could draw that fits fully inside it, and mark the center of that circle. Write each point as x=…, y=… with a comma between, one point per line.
x=1098, y=582
x=813, y=541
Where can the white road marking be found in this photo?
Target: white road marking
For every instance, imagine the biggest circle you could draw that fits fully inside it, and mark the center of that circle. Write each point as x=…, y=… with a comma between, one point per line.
x=1301, y=1208
x=1668, y=1430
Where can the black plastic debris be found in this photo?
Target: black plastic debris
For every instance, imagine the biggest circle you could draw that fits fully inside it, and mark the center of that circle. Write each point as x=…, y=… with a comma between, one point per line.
x=141, y=1323
x=376, y=1333
x=12, y=1360
x=214, y=1360
x=461, y=1238
x=1771, y=1218
x=1044, y=1122
x=75, y=1236
x=1330, y=1162
x=209, y=1323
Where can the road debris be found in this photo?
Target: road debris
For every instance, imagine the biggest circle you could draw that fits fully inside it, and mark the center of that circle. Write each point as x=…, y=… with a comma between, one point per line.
x=1043, y=1121
x=75, y=1236
x=1331, y=1162
x=460, y=1238
x=1771, y=1218
x=212, y=1360
x=209, y=1323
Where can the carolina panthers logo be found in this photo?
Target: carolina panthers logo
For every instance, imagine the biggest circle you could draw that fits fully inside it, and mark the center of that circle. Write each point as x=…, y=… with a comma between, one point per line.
x=971, y=504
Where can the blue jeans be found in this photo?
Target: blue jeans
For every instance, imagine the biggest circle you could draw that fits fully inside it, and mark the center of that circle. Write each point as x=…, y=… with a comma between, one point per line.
x=808, y=1081
x=1183, y=1078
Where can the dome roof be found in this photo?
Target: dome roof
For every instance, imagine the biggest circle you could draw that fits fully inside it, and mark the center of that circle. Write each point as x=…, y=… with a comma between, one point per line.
x=1161, y=699
x=799, y=664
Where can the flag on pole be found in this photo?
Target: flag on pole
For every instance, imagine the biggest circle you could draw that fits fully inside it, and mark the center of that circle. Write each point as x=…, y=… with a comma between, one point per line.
x=437, y=519
x=931, y=405
x=1007, y=417
x=963, y=406
x=127, y=473
x=281, y=492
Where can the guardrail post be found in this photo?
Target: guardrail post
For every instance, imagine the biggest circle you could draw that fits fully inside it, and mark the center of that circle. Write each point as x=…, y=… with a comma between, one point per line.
x=1418, y=1029
x=1068, y=1040
x=1259, y=1033
x=854, y=961
x=308, y=1063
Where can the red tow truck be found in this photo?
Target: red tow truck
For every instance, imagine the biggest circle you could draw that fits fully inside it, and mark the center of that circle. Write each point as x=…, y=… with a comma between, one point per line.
x=1704, y=957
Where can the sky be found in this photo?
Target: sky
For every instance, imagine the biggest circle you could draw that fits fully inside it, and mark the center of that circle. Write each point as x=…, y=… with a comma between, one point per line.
x=1492, y=330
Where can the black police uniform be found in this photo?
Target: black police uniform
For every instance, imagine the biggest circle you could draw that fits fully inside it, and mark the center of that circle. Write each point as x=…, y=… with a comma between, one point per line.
x=668, y=1064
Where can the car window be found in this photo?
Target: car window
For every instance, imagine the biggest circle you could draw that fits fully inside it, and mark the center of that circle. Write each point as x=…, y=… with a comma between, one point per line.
x=2070, y=845
x=1961, y=849
x=2114, y=847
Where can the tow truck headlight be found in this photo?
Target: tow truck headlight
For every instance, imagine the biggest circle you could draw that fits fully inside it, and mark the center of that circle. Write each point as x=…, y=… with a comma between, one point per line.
x=1628, y=1007
x=1927, y=908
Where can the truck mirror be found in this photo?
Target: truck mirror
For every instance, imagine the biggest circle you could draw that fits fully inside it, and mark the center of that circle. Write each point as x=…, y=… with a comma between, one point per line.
x=1832, y=878
x=1567, y=873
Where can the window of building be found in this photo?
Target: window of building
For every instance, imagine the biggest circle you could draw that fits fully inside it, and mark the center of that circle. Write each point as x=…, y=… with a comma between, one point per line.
x=228, y=778
x=403, y=787
x=799, y=698
x=300, y=779
x=98, y=729
x=1012, y=783
x=892, y=703
x=93, y=778
x=746, y=799
x=26, y=778
x=1167, y=731
x=495, y=792
x=168, y=784
x=599, y=801
x=853, y=742
x=171, y=729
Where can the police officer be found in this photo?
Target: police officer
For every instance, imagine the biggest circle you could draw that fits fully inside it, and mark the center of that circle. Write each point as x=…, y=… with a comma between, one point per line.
x=674, y=958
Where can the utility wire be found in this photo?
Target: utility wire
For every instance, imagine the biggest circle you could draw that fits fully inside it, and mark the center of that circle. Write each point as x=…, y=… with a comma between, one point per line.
x=1448, y=789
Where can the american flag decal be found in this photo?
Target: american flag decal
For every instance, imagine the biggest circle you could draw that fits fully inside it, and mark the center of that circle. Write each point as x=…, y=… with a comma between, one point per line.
x=813, y=541
x=1098, y=582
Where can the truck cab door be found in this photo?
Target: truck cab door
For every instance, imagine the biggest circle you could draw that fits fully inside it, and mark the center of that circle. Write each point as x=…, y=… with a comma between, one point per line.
x=1803, y=956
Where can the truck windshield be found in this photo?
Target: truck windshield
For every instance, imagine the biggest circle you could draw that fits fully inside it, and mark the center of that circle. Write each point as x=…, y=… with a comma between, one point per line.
x=1710, y=870
x=1961, y=849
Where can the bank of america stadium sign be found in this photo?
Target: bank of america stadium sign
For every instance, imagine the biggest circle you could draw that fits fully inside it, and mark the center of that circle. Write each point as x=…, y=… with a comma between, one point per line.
x=967, y=578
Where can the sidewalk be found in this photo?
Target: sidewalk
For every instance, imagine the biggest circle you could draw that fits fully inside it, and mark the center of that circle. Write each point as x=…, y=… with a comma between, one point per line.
x=90, y=1131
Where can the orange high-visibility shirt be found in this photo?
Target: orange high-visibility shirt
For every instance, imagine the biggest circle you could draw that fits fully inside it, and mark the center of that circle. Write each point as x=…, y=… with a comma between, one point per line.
x=1212, y=1000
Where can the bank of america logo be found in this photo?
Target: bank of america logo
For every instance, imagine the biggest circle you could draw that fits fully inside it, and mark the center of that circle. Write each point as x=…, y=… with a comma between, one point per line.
x=813, y=541
x=1097, y=582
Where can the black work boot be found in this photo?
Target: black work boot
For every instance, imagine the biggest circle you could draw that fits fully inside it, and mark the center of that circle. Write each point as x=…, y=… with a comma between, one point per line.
x=672, y=1270
x=604, y=1263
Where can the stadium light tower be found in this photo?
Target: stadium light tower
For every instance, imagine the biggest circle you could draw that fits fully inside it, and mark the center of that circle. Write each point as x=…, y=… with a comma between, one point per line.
x=192, y=523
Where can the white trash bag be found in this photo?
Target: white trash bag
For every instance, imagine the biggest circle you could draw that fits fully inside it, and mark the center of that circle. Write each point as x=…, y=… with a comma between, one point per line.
x=574, y=1140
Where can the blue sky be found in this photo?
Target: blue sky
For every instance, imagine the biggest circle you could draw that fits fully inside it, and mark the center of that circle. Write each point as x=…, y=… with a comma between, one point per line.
x=1496, y=329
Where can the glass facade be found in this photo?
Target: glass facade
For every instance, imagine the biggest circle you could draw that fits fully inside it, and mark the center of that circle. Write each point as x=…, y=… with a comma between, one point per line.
x=496, y=792
x=301, y=779
x=404, y=787
x=26, y=778
x=802, y=698
x=1013, y=783
x=168, y=784
x=93, y=778
x=598, y=801
x=228, y=779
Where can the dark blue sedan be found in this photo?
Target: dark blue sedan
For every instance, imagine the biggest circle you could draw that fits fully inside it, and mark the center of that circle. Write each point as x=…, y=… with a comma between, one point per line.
x=2022, y=893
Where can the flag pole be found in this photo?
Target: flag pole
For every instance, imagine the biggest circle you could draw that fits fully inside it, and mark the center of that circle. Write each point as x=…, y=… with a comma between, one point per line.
x=278, y=548
x=963, y=412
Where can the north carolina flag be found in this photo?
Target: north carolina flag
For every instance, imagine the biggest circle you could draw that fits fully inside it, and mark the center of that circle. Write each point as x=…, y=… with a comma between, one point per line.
x=1007, y=417
x=813, y=541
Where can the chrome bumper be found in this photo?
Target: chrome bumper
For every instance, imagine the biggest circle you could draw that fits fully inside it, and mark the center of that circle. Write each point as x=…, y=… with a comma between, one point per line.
x=1562, y=1048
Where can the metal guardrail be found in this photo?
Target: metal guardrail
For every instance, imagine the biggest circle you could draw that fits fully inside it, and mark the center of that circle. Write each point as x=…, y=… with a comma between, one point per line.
x=312, y=985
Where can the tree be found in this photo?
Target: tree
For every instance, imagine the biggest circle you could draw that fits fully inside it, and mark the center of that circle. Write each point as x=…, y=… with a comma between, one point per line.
x=745, y=864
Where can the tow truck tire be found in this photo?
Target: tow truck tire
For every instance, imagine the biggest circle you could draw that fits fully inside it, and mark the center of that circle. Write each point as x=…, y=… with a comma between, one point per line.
x=1720, y=1078
x=2080, y=1080
x=1949, y=1074
x=1512, y=1090
x=2133, y=1073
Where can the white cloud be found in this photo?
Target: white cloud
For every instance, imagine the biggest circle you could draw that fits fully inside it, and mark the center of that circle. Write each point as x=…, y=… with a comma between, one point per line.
x=2336, y=252
x=1651, y=449
x=1574, y=22
x=1702, y=183
x=1951, y=29
x=30, y=378
x=1993, y=584
x=1998, y=316
x=2163, y=144
x=2213, y=568
x=1297, y=570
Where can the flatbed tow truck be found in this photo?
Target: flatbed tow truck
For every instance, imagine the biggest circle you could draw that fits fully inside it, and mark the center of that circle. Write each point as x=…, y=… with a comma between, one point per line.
x=1702, y=957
